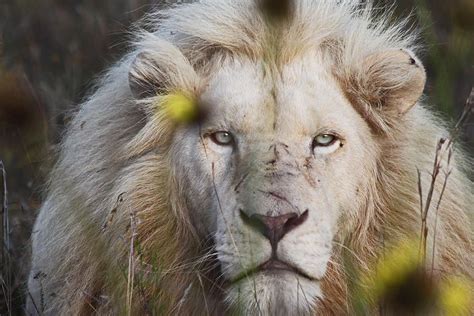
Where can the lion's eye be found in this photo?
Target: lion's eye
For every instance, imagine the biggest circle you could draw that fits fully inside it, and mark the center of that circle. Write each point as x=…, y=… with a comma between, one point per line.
x=222, y=138
x=325, y=143
x=324, y=140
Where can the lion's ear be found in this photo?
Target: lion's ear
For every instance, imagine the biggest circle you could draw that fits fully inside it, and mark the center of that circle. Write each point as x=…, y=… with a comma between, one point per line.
x=395, y=79
x=160, y=68
x=386, y=84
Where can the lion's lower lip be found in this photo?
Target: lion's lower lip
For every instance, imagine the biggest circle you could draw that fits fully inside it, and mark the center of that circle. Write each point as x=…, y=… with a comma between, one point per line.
x=273, y=265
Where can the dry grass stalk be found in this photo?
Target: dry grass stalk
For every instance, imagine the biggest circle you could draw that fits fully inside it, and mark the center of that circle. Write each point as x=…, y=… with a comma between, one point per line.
x=6, y=275
x=444, y=147
x=131, y=263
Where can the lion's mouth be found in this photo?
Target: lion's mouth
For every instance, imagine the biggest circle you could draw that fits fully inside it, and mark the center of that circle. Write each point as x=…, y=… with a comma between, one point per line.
x=273, y=266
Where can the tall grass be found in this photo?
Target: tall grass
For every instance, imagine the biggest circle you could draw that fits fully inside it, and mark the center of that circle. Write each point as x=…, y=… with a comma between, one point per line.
x=5, y=262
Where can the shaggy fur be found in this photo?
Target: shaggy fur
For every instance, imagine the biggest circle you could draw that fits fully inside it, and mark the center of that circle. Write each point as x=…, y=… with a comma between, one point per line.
x=114, y=233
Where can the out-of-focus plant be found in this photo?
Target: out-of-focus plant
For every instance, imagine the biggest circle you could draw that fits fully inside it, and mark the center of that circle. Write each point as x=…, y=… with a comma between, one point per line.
x=400, y=283
x=180, y=107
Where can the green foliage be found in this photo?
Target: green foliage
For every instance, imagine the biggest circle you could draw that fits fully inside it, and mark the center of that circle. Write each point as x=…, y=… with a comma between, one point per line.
x=450, y=53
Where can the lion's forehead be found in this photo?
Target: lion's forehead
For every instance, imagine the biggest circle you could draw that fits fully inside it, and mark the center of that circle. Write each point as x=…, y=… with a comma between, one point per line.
x=300, y=98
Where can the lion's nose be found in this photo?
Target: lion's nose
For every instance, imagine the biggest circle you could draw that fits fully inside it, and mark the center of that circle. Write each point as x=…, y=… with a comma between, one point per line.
x=274, y=227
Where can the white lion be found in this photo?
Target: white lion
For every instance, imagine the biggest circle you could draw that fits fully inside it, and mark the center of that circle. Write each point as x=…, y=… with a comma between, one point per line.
x=308, y=141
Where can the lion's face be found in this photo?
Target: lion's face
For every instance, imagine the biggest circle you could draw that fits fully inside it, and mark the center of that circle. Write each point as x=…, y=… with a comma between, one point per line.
x=274, y=166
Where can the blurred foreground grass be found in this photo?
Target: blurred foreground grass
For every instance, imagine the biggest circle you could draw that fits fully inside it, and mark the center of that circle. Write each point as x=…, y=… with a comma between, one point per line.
x=400, y=283
x=50, y=51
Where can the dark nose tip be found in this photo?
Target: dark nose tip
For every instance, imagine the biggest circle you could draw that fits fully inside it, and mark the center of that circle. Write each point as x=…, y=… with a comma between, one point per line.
x=274, y=227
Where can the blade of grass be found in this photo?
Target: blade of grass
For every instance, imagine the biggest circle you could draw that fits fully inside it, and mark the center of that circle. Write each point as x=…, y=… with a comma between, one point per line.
x=6, y=243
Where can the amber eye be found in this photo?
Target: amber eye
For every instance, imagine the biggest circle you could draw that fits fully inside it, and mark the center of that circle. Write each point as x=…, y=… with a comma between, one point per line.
x=222, y=138
x=324, y=140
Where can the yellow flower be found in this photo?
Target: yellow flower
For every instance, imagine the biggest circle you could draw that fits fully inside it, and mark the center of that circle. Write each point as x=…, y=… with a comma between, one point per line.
x=455, y=296
x=403, y=284
x=395, y=266
x=180, y=107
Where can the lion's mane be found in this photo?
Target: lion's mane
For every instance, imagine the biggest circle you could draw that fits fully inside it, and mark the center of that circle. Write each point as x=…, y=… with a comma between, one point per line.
x=113, y=192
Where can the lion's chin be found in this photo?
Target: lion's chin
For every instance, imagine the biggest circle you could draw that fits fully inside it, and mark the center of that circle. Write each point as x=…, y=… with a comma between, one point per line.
x=273, y=293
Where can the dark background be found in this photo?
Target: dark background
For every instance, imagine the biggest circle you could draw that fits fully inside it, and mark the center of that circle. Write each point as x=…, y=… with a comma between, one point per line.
x=51, y=51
